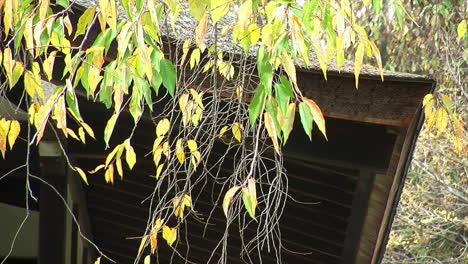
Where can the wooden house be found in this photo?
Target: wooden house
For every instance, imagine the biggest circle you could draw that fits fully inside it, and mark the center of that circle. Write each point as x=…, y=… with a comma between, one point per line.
x=354, y=181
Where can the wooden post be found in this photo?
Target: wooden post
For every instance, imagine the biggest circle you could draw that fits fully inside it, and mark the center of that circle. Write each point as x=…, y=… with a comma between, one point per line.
x=52, y=211
x=359, y=211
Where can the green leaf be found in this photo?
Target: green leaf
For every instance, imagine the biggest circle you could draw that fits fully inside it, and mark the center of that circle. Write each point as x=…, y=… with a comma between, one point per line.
x=256, y=105
x=271, y=107
x=247, y=202
x=288, y=123
x=63, y=3
x=109, y=35
x=306, y=119
x=156, y=82
x=377, y=5
x=72, y=102
x=135, y=104
x=105, y=93
x=85, y=20
x=283, y=92
x=109, y=128
x=197, y=8
x=168, y=74
x=399, y=12
x=447, y=103
x=145, y=90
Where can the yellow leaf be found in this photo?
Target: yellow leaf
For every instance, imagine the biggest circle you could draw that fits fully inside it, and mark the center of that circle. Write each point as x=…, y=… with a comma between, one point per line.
x=60, y=114
x=183, y=100
x=267, y=36
x=180, y=151
x=197, y=116
x=8, y=16
x=245, y=11
x=358, y=59
x=98, y=168
x=82, y=135
x=441, y=120
x=197, y=97
x=94, y=78
x=142, y=244
x=254, y=34
x=271, y=129
x=48, y=65
x=71, y=133
x=118, y=166
x=29, y=35
x=169, y=234
x=288, y=121
x=461, y=29
x=82, y=175
x=109, y=175
x=317, y=115
x=196, y=158
x=194, y=58
x=321, y=57
x=180, y=204
x=4, y=126
x=88, y=129
x=43, y=8
x=187, y=200
x=219, y=9
x=237, y=130
x=156, y=143
x=68, y=25
x=163, y=127
x=112, y=154
x=378, y=58
x=289, y=67
x=427, y=98
x=192, y=145
x=13, y=133
x=228, y=198
x=178, y=207
x=225, y=29
x=187, y=115
x=223, y=130
x=130, y=155
x=252, y=193
x=185, y=50
x=147, y=260
x=30, y=84
x=159, y=170
x=98, y=260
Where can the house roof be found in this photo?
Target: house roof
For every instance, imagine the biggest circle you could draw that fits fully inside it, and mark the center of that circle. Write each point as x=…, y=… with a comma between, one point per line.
x=371, y=135
x=185, y=26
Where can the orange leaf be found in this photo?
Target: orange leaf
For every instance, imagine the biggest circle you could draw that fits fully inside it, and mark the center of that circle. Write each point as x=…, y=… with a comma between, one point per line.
x=200, y=31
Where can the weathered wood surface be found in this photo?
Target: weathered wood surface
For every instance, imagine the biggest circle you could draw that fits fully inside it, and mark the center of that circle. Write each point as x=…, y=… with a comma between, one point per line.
x=389, y=103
